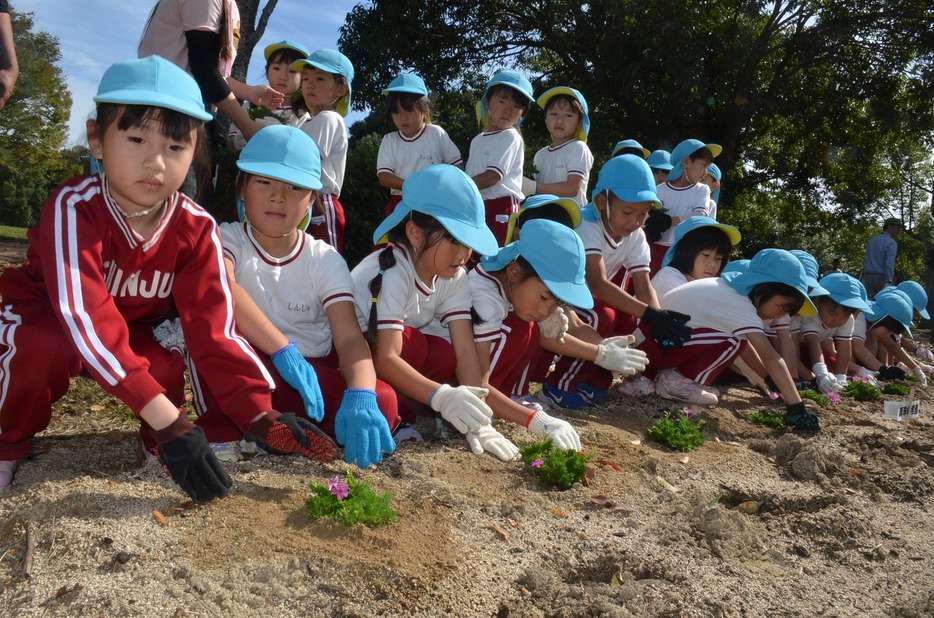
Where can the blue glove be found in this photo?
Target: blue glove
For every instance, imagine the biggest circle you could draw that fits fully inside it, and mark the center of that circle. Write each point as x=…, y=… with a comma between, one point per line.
x=301, y=376
x=362, y=428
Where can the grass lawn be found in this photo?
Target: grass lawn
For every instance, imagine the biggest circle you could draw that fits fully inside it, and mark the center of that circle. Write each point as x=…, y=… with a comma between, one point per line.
x=16, y=234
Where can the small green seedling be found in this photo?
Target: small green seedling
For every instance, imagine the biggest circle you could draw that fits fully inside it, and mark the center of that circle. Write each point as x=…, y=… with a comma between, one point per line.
x=894, y=388
x=553, y=467
x=681, y=434
x=862, y=391
x=349, y=503
x=816, y=397
x=770, y=418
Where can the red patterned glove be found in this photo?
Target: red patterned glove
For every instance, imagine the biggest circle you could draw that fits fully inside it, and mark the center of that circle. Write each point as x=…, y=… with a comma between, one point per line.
x=287, y=433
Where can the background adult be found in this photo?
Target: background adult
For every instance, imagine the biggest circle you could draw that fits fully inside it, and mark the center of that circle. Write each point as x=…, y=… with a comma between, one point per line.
x=879, y=261
x=9, y=67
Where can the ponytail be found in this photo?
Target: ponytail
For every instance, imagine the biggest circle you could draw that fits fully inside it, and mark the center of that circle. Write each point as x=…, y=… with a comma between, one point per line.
x=387, y=260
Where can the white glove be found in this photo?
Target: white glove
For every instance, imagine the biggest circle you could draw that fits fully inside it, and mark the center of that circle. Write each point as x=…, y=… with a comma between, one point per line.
x=555, y=325
x=491, y=441
x=919, y=375
x=841, y=380
x=826, y=383
x=863, y=372
x=928, y=369
x=463, y=406
x=924, y=353
x=560, y=432
x=615, y=354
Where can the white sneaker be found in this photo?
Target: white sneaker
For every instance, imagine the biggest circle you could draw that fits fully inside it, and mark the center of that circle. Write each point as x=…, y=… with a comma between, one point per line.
x=636, y=386
x=672, y=385
x=7, y=469
x=227, y=451
x=530, y=402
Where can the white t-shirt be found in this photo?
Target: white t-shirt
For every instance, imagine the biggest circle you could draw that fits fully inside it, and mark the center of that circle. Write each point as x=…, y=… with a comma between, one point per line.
x=330, y=135
x=713, y=303
x=794, y=324
x=502, y=152
x=860, y=327
x=403, y=156
x=682, y=202
x=814, y=326
x=712, y=209
x=556, y=163
x=406, y=300
x=489, y=301
x=773, y=326
x=631, y=252
x=294, y=291
x=667, y=279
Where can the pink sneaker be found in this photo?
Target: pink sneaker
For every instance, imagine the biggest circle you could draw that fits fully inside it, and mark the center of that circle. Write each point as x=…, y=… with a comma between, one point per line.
x=672, y=385
x=7, y=469
x=636, y=386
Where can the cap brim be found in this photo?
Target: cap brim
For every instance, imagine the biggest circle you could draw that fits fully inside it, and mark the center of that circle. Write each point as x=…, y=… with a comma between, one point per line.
x=481, y=240
x=155, y=99
x=743, y=281
x=281, y=172
x=575, y=294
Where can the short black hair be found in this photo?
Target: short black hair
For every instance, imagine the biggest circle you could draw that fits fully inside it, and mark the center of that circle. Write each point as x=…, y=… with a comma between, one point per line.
x=763, y=292
x=703, y=238
x=551, y=212
x=890, y=323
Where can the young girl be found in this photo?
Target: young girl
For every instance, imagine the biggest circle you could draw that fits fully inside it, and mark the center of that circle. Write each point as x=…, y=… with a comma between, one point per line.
x=326, y=77
x=294, y=301
x=660, y=164
x=418, y=279
x=497, y=154
x=515, y=290
x=683, y=195
x=630, y=146
x=282, y=78
x=564, y=167
x=416, y=142
x=701, y=248
x=726, y=313
x=113, y=254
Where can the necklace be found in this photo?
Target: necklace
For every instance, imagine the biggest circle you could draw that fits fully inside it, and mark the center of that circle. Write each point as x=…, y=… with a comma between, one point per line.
x=141, y=213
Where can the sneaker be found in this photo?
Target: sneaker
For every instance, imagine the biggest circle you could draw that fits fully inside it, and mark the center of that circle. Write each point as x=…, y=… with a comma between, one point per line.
x=805, y=420
x=530, y=402
x=7, y=469
x=404, y=432
x=227, y=451
x=596, y=396
x=672, y=385
x=562, y=399
x=636, y=386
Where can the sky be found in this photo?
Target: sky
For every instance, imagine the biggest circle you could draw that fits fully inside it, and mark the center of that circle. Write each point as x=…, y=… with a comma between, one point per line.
x=93, y=34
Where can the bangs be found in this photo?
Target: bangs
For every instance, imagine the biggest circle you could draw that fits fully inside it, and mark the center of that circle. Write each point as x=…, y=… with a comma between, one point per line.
x=170, y=123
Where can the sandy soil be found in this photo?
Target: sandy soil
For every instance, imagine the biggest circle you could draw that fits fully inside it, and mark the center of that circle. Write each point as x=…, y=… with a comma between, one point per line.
x=756, y=522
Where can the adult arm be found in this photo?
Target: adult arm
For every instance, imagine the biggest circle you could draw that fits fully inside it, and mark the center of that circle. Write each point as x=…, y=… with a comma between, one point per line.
x=9, y=67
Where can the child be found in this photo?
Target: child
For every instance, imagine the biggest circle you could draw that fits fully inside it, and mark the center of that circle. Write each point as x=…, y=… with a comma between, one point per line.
x=282, y=78
x=700, y=249
x=420, y=278
x=617, y=252
x=497, y=154
x=564, y=166
x=563, y=210
x=712, y=180
x=515, y=290
x=294, y=301
x=326, y=77
x=114, y=254
x=838, y=300
x=416, y=143
x=919, y=300
x=630, y=146
x=660, y=164
x=726, y=313
x=874, y=334
x=683, y=195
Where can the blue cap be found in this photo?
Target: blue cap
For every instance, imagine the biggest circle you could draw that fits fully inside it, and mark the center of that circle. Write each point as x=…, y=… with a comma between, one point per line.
x=735, y=266
x=269, y=50
x=894, y=303
x=630, y=143
x=843, y=290
x=556, y=253
x=714, y=171
x=692, y=223
x=407, y=82
x=543, y=199
x=660, y=160
x=584, y=129
x=449, y=195
x=154, y=81
x=810, y=265
x=772, y=265
x=629, y=178
x=331, y=61
x=919, y=298
x=683, y=150
x=514, y=80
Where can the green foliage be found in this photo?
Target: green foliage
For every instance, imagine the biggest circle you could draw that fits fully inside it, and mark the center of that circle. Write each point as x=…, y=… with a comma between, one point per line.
x=681, y=434
x=12, y=233
x=554, y=467
x=363, y=198
x=769, y=418
x=361, y=505
x=894, y=388
x=818, y=398
x=862, y=391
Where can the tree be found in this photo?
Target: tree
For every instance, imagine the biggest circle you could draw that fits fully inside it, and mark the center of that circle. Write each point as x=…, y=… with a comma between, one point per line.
x=251, y=31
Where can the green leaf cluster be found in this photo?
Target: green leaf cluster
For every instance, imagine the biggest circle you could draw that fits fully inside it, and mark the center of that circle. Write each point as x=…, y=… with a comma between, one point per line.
x=818, y=398
x=895, y=388
x=361, y=506
x=861, y=391
x=681, y=434
x=770, y=418
x=560, y=469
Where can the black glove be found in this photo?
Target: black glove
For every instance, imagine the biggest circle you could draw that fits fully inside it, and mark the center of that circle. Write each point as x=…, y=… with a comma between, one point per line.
x=667, y=328
x=657, y=224
x=891, y=372
x=287, y=433
x=797, y=416
x=186, y=454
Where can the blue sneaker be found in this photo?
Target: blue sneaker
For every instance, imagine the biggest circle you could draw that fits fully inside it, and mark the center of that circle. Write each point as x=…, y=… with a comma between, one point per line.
x=562, y=399
x=596, y=396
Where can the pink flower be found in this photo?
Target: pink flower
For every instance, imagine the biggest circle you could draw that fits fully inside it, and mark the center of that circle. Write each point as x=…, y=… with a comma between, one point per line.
x=536, y=463
x=688, y=412
x=340, y=490
x=833, y=397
